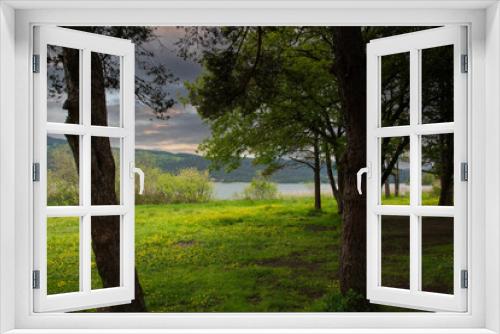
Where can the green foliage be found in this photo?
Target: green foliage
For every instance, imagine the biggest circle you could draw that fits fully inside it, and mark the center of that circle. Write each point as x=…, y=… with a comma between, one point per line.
x=427, y=179
x=61, y=191
x=189, y=185
x=263, y=77
x=62, y=176
x=337, y=302
x=260, y=189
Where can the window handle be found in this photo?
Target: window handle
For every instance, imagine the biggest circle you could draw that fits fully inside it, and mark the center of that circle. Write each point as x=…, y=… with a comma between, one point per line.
x=134, y=170
x=364, y=170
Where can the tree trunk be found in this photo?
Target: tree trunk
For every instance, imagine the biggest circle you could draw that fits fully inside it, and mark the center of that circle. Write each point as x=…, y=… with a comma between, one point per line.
x=387, y=189
x=396, y=180
x=350, y=70
x=446, y=170
x=329, y=171
x=105, y=230
x=317, y=175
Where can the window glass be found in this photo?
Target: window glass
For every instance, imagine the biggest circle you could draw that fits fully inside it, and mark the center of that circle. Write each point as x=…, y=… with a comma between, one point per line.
x=437, y=84
x=395, y=251
x=63, y=180
x=437, y=169
x=105, y=270
x=395, y=167
x=63, y=87
x=106, y=181
x=106, y=109
x=395, y=89
x=63, y=255
x=437, y=254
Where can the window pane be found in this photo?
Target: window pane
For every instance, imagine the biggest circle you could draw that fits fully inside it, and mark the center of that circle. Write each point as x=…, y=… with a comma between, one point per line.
x=105, y=171
x=395, y=251
x=63, y=255
x=395, y=89
x=437, y=169
x=395, y=167
x=63, y=85
x=105, y=90
x=105, y=262
x=437, y=84
x=63, y=152
x=437, y=254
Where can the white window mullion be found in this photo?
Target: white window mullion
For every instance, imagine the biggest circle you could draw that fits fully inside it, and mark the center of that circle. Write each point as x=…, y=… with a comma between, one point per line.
x=86, y=116
x=414, y=170
x=127, y=230
x=85, y=254
x=421, y=210
x=85, y=172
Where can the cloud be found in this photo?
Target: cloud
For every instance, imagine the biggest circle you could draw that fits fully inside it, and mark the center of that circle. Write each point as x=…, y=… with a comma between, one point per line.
x=184, y=130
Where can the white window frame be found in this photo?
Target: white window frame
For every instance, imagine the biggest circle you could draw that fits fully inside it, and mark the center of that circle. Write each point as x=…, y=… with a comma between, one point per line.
x=86, y=43
x=413, y=43
x=16, y=20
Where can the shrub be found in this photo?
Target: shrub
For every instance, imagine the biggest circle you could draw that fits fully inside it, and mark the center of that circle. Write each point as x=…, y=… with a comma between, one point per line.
x=259, y=189
x=428, y=179
x=189, y=185
x=61, y=191
x=62, y=177
x=351, y=301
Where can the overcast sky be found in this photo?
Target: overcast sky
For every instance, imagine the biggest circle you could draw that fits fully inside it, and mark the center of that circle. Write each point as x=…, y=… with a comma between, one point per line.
x=184, y=130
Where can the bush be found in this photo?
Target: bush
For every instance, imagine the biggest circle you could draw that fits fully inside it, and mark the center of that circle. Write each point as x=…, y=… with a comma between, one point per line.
x=189, y=185
x=260, y=189
x=61, y=191
x=351, y=301
x=62, y=177
x=427, y=179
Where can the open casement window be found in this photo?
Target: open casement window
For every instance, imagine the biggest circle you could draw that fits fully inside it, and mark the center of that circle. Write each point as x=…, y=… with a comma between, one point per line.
x=90, y=139
x=417, y=170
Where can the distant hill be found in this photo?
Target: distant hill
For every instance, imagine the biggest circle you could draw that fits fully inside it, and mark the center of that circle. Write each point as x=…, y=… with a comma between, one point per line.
x=173, y=162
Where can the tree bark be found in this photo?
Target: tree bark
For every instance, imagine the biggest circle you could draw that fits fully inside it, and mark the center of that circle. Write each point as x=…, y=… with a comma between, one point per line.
x=393, y=159
x=387, y=189
x=446, y=170
x=105, y=230
x=396, y=180
x=350, y=70
x=333, y=184
x=317, y=175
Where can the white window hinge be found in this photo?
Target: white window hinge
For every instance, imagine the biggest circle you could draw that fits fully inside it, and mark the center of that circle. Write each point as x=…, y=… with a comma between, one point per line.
x=36, y=63
x=36, y=172
x=36, y=279
x=465, y=64
x=464, y=279
x=464, y=171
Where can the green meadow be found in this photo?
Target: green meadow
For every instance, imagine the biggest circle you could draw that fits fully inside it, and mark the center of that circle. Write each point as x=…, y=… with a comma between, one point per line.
x=240, y=256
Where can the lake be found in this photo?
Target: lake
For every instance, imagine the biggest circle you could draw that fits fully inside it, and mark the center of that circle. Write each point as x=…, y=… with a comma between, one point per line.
x=231, y=190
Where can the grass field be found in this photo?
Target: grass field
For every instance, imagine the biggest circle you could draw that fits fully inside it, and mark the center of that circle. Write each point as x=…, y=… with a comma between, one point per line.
x=236, y=256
